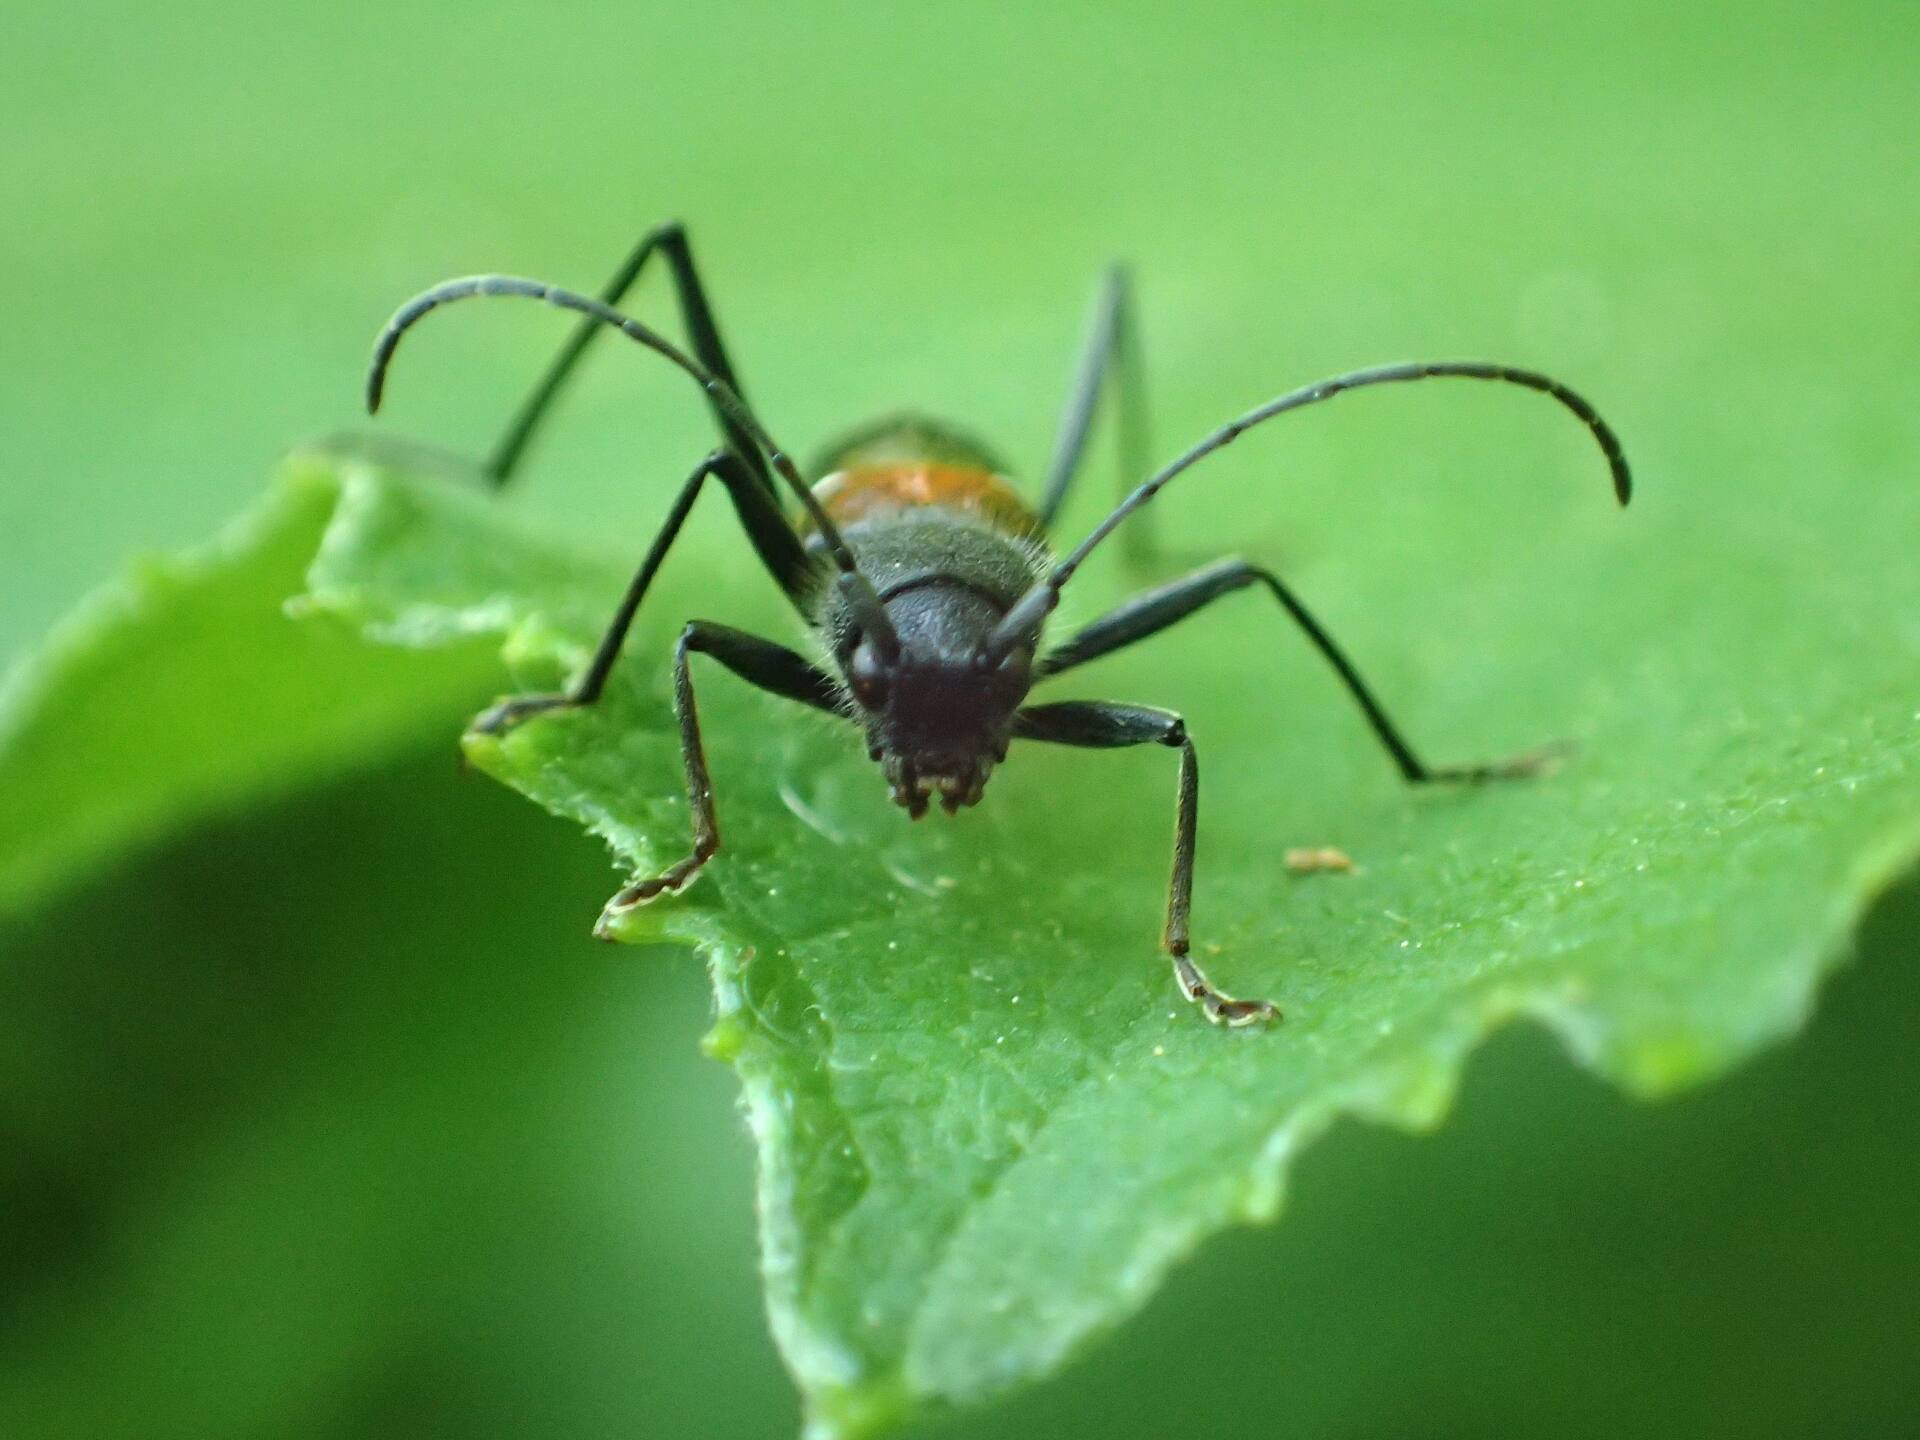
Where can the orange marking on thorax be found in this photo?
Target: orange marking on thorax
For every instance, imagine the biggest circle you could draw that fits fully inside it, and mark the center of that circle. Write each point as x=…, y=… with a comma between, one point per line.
x=867, y=492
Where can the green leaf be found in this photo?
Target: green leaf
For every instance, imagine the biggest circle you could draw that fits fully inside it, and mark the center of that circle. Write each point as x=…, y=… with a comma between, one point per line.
x=320, y=1119
x=433, y=1151
x=183, y=692
x=987, y=1124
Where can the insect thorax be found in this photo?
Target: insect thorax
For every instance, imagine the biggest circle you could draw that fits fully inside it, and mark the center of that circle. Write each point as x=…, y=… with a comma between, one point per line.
x=943, y=537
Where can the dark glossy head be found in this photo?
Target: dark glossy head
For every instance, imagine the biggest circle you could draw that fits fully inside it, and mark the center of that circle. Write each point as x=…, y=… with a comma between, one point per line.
x=948, y=549
x=937, y=718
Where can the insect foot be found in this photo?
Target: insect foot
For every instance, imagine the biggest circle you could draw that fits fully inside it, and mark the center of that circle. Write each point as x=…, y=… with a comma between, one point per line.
x=512, y=712
x=640, y=892
x=1220, y=1008
x=1541, y=760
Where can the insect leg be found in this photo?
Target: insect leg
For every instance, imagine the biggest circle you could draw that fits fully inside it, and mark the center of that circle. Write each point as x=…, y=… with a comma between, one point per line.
x=703, y=334
x=750, y=483
x=1101, y=725
x=1156, y=610
x=854, y=586
x=585, y=691
x=759, y=662
x=1112, y=348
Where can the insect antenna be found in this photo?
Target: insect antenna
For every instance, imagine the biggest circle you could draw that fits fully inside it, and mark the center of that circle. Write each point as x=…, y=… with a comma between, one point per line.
x=1022, y=623
x=858, y=590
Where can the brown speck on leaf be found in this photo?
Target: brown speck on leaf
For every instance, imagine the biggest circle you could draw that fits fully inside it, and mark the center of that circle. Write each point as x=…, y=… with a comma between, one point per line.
x=1313, y=860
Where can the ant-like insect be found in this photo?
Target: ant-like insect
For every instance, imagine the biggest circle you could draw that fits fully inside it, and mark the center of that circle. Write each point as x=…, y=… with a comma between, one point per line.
x=928, y=581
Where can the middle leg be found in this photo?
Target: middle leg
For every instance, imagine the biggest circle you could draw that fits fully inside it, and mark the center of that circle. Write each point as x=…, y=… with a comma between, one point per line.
x=587, y=689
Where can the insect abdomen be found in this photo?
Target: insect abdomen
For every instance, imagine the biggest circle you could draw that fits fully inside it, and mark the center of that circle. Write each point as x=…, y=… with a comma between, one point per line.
x=870, y=493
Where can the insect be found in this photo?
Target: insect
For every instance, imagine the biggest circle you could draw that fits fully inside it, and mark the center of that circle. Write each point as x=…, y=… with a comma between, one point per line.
x=926, y=580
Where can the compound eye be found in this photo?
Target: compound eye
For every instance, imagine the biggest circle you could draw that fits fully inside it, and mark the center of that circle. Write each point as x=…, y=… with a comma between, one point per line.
x=867, y=676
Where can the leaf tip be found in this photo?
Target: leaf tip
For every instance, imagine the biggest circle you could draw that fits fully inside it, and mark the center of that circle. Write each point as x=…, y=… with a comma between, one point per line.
x=481, y=750
x=856, y=1412
x=725, y=1040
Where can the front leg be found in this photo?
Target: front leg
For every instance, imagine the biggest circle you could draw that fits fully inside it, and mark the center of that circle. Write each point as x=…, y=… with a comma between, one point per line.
x=587, y=689
x=759, y=662
x=1095, y=724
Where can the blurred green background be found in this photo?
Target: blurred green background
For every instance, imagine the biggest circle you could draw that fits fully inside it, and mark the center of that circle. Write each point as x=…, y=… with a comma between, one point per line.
x=427, y=1161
